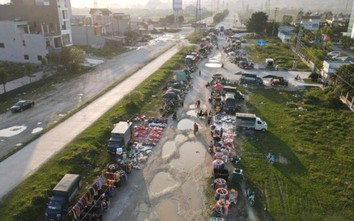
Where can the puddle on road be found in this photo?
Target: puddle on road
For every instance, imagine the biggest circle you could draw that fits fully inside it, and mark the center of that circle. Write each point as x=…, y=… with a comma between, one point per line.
x=167, y=210
x=12, y=131
x=162, y=183
x=194, y=198
x=192, y=113
x=191, y=155
x=185, y=124
x=36, y=130
x=168, y=148
x=202, y=106
x=213, y=65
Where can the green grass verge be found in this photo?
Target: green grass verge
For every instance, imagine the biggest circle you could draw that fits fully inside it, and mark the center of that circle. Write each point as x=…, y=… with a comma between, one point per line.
x=281, y=53
x=317, y=142
x=87, y=154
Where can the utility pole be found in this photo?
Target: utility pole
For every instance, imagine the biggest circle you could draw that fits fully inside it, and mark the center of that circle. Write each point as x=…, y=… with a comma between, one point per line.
x=275, y=18
x=198, y=15
x=297, y=48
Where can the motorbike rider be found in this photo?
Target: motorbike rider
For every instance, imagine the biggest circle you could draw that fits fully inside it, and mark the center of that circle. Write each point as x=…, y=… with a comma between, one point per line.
x=174, y=116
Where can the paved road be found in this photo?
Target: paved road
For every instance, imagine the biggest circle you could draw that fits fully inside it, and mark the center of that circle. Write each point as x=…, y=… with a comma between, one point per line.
x=65, y=96
x=25, y=162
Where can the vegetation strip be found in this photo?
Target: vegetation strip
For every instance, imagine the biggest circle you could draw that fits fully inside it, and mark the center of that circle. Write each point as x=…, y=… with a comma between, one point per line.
x=87, y=154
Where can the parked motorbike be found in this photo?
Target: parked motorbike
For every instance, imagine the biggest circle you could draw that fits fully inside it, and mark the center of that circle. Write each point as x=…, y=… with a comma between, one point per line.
x=250, y=195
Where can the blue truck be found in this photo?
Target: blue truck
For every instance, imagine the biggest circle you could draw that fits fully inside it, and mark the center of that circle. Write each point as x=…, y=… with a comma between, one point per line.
x=63, y=194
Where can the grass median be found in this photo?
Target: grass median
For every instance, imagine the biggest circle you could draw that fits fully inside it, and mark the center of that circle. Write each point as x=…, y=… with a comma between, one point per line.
x=313, y=143
x=87, y=154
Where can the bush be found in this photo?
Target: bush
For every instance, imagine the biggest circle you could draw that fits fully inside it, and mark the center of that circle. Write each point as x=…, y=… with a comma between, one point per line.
x=314, y=76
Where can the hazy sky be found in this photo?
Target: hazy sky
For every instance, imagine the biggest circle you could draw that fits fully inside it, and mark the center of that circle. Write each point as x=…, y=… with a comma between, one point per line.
x=101, y=3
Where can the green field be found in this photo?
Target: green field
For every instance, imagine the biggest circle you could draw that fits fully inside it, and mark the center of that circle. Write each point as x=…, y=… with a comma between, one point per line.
x=87, y=154
x=313, y=143
x=281, y=53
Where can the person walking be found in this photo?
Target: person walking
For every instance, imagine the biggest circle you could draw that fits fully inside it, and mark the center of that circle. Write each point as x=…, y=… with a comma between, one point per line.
x=209, y=120
x=200, y=72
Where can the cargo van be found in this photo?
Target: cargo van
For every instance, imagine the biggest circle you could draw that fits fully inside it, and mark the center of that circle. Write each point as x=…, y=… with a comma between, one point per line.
x=250, y=121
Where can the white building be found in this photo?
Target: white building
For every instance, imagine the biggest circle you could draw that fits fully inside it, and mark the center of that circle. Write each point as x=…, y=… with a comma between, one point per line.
x=285, y=33
x=311, y=23
x=351, y=23
x=44, y=27
x=17, y=45
x=330, y=67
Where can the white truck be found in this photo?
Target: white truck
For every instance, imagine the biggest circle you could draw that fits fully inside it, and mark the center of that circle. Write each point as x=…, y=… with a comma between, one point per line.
x=246, y=120
x=120, y=136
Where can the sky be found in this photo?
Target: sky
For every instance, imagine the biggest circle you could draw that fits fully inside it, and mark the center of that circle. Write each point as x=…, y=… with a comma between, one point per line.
x=101, y=3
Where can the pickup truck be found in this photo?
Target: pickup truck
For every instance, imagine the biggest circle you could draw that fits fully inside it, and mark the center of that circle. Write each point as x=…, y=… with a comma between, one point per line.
x=246, y=120
x=62, y=195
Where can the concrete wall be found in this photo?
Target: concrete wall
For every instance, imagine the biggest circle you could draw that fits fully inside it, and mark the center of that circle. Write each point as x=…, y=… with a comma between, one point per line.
x=18, y=44
x=79, y=36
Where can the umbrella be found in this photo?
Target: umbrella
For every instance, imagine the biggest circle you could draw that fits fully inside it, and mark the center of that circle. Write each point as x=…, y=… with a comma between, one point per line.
x=170, y=95
x=218, y=87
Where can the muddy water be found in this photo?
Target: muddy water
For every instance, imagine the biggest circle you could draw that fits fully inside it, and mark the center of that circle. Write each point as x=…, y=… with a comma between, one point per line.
x=167, y=210
x=171, y=146
x=185, y=124
x=192, y=113
x=168, y=149
x=162, y=183
x=193, y=194
x=191, y=155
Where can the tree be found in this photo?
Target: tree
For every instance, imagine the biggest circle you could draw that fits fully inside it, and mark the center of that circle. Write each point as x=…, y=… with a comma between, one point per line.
x=4, y=77
x=70, y=57
x=29, y=70
x=287, y=19
x=344, y=79
x=347, y=41
x=257, y=23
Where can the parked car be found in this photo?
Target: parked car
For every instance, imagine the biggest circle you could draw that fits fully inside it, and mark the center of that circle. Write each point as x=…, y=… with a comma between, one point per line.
x=333, y=54
x=246, y=65
x=22, y=105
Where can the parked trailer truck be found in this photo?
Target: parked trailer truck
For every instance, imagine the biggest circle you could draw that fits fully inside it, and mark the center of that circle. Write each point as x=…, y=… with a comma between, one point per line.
x=246, y=120
x=120, y=136
x=62, y=195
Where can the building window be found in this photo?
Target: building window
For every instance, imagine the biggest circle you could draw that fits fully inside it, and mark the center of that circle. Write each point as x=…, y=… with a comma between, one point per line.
x=39, y=57
x=23, y=43
x=2, y=45
x=26, y=57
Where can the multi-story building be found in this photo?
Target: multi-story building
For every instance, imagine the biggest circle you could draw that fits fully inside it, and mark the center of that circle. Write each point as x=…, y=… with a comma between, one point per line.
x=38, y=27
x=351, y=24
x=99, y=27
x=311, y=22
